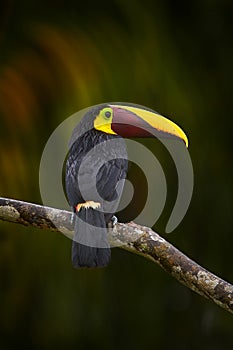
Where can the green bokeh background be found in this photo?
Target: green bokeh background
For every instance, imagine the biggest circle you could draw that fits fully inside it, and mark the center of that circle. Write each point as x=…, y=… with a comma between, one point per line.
x=57, y=57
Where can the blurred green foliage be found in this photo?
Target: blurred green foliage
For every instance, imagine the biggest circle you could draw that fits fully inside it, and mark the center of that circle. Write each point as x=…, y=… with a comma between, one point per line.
x=57, y=57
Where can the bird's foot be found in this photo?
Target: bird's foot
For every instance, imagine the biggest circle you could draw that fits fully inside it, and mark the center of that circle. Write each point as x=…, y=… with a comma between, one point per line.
x=72, y=218
x=114, y=220
x=87, y=205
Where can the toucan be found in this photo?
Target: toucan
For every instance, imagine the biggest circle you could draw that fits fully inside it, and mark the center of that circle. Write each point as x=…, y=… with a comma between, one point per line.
x=95, y=170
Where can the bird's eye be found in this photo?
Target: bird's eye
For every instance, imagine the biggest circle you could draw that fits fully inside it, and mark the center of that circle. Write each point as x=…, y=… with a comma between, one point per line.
x=107, y=114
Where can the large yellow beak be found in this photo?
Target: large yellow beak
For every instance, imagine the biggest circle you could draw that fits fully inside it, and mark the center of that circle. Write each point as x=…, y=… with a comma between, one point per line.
x=130, y=121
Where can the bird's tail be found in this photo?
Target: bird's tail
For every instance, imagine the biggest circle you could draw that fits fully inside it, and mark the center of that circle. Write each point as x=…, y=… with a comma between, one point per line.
x=90, y=247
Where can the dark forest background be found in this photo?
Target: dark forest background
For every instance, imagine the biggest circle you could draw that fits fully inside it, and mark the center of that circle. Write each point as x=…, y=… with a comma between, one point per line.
x=57, y=57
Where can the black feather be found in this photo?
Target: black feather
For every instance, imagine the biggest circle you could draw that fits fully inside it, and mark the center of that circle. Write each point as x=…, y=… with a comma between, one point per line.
x=95, y=164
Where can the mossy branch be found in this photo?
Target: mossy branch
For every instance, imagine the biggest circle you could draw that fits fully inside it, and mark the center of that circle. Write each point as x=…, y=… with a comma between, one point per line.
x=133, y=237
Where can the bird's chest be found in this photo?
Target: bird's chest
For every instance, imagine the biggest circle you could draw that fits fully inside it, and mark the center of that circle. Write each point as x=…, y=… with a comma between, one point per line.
x=94, y=167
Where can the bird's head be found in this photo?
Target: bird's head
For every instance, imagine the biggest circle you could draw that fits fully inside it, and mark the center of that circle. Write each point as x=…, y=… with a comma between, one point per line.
x=135, y=121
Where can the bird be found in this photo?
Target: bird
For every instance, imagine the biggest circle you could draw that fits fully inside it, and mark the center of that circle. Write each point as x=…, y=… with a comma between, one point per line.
x=96, y=168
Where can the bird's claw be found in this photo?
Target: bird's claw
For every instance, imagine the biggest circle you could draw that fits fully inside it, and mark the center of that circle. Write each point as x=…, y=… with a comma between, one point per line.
x=114, y=220
x=72, y=218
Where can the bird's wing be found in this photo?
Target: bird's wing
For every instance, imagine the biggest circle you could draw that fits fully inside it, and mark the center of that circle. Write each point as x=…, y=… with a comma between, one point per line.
x=108, y=178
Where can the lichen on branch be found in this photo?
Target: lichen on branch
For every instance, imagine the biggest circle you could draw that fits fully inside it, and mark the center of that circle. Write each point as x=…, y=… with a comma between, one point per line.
x=133, y=237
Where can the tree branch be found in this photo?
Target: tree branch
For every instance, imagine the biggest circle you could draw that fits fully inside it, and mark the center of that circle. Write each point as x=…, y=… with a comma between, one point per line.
x=142, y=240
